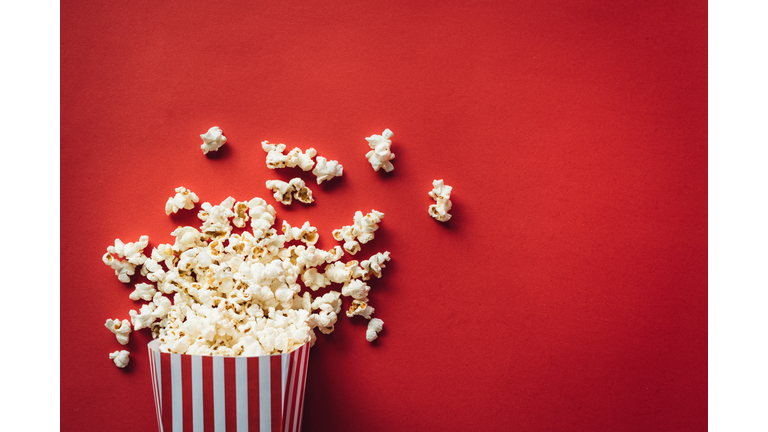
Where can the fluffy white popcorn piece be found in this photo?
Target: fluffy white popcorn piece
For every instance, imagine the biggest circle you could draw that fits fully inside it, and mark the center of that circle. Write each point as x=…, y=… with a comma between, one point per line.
x=373, y=265
x=120, y=358
x=241, y=214
x=133, y=254
x=212, y=140
x=361, y=231
x=374, y=327
x=380, y=154
x=143, y=291
x=143, y=318
x=360, y=307
x=216, y=218
x=285, y=192
x=275, y=156
x=262, y=216
x=356, y=289
x=184, y=199
x=121, y=330
x=303, y=160
x=305, y=233
x=326, y=170
x=441, y=193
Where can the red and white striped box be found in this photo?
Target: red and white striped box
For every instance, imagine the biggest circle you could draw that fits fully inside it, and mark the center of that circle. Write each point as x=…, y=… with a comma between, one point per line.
x=222, y=394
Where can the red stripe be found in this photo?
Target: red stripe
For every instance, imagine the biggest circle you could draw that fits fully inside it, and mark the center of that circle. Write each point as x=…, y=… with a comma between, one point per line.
x=230, y=392
x=186, y=390
x=253, y=394
x=276, y=382
x=208, y=420
x=153, y=371
x=165, y=377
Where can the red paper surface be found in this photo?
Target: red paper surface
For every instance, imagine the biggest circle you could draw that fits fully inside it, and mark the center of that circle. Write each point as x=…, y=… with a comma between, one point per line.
x=568, y=291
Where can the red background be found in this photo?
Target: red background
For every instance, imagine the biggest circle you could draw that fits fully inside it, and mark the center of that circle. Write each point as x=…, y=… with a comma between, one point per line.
x=568, y=292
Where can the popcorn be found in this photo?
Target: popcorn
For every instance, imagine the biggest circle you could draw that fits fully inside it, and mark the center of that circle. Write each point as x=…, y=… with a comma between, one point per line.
x=121, y=330
x=212, y=140
x=143, y=291
x=285, y=192
x=133, y=254
x=361, y=231
x=373, y=265
x=326, y=170
x=307, y=234
x=374, y=327
x=184, y=199
x=120, y=357
x=302, y=160
x=275, y=156
x=442, y=194
x=222, y=293
x=380, y=154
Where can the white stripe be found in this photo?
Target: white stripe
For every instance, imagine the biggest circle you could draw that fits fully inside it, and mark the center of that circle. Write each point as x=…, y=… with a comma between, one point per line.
x=285, y=358
x=219, y=403
x=265, y=401
x=197, y=393
x=300, y=379
x=155, y=381
x=241, y=373
x=158, y=369
x=178, y=408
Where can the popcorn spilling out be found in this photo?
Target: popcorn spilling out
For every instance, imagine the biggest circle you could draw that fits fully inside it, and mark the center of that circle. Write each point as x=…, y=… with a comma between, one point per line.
x=121, y=329
x=212, y=140
x=380, y=154
x=361, y=231
x=326, y=170
x=217, y=292
x=441, y=193
x=295, y=188
x=184, y=199
x=120, y=357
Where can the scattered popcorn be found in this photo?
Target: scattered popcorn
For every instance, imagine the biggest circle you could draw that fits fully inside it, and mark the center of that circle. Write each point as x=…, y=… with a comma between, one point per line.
x=374, y=327
x=212, y=140
x=275, y=156
x=380, y=154
x=307, y=234
x=184, y=199
x=442, y=194
x=120, y=329
x=143, y=291
x=326, y=170
x=373, y=265
x=120, y=357
x=361, y=231
x=133, y=254
x=360, y=307
x=285, y=192
x=302, y=160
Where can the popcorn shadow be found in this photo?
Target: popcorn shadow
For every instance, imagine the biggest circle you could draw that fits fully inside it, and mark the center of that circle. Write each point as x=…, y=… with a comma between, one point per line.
x=453, y=223
x=332, y=184
x=222, y=153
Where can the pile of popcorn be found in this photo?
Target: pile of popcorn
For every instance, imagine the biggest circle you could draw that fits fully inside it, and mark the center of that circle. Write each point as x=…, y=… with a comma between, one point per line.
x=215, y=291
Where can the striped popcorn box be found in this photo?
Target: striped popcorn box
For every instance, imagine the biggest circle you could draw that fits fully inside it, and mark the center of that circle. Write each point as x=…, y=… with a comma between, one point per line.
x=223, y=394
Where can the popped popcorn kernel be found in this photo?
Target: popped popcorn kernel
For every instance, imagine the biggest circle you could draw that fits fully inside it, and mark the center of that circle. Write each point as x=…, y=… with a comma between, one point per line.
x=285, y=192
x=441, y=193
x=360, y=232
x=380, y=155
x=184, y=199
x=120, y=358
x=374, y=327
x=212, y=140
x=326, y=170
x=121, y=330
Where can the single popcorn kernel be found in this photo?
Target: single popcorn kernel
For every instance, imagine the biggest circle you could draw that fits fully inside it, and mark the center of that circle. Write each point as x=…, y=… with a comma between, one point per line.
x=212, y=140
x=442, y=194
x=380, y=154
